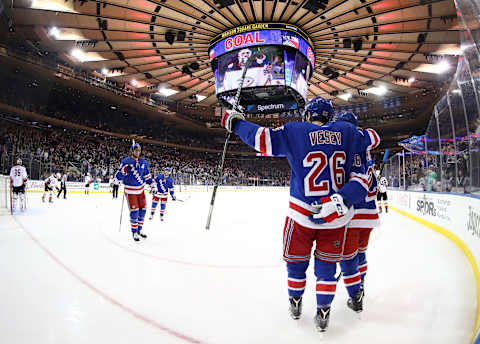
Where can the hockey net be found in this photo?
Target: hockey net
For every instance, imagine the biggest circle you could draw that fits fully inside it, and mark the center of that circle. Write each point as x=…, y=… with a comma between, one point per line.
x=5, y=206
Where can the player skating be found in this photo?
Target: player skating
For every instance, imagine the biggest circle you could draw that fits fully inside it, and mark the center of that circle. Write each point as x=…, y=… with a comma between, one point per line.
x=165, y=186
x=87, y=181
x=134, y=174
x=327, y=177
x=364, y=220
x=50, y=184
x=382, y=198
x=18, y=181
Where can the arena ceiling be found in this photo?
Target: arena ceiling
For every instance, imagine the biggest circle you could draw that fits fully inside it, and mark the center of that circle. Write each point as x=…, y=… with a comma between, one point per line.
x=403, y=46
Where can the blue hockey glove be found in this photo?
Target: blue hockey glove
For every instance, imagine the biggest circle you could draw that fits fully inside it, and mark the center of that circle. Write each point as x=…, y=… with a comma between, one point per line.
x=228, y=119
x=328, y=209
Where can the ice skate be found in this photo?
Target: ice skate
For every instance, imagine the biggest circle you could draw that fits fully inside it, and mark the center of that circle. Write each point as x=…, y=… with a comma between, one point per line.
x=296, y=307
x=386, y=209
x=136, y=237
x=356, y=303
x=150, y=217
x=161, y=217
x=50, y=200
x=142, y=235
x=321, y=319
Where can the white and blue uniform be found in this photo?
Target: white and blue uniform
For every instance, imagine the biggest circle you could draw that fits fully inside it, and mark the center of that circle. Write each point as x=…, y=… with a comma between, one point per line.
x=135, y=174
x=324, y=160
x=366, y=213
x=165, y=187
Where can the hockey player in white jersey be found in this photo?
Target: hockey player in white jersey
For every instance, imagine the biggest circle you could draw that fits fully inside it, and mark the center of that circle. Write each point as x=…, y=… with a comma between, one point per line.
x=50, y=184
x=382, y=198
x=18, y=181
x=88, y=181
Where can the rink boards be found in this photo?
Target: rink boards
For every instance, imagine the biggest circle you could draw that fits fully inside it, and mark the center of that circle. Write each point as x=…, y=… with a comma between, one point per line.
x=79, y=187
x=455, y=216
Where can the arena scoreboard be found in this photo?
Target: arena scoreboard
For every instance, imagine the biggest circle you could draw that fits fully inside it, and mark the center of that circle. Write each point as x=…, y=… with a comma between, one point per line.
x=277, y=80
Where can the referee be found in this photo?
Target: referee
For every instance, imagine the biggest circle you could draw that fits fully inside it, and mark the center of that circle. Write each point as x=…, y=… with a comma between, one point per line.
x=115, y=186
x=63, y=187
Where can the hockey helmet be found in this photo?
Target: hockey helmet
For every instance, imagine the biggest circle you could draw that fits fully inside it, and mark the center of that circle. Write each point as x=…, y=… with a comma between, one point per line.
x=167, y=170
x=58, y=175
x=318, y=109
x=347, y=117
x=135, y=146
x=19, y=161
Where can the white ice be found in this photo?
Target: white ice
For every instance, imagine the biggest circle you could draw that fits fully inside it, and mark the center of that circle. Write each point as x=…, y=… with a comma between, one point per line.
x=67, y=275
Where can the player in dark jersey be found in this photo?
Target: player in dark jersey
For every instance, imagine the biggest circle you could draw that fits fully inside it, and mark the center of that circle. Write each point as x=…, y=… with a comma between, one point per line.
x=364, y=220
x=327, y=177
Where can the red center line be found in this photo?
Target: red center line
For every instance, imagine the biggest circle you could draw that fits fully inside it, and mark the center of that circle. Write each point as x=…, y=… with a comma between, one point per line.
x=106, y=296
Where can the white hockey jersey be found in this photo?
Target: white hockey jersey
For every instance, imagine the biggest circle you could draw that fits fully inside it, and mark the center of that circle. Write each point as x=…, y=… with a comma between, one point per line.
x=51, y=181
x=382, y=185
x=18, y=175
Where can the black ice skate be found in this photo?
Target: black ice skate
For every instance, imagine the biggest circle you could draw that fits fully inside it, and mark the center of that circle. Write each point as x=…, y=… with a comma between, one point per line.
x=296, y=307
x=380, y=210
x=386, y=209
x=321, y=319
x=356, y=303
x=144, y=236
x=161, y=217
x=136, y=237
x=362, y=287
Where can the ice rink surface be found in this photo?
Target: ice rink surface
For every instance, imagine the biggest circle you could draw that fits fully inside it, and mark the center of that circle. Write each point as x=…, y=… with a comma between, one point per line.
x=67, y=275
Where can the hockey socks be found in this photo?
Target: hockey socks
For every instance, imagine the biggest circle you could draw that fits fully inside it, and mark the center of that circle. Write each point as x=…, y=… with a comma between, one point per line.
x=154, y=205
x=351, y=275
x=326, y=283
x=297, y=278
x=134, y=220
x=362, y=264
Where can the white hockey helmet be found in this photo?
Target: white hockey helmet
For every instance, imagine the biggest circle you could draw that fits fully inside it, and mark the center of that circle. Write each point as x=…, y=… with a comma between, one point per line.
x=19, y=161
x=58, y=175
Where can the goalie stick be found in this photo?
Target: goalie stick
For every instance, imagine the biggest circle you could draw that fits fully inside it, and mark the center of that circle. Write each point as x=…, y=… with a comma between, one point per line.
x=236, y=103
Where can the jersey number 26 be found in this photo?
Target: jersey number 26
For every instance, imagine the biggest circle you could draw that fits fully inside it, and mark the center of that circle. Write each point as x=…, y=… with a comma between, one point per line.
x=319, y=161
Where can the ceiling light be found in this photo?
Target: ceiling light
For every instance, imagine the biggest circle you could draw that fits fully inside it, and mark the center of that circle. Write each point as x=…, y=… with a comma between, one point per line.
x=379, y=91
x=456, y=91
x=167, y=92
x=200, y=97
x=411, y=79
x=345, y=96
x=442, y=66
x=104, y=71
x=78, y=54
x=54, y=32
x=133, y=82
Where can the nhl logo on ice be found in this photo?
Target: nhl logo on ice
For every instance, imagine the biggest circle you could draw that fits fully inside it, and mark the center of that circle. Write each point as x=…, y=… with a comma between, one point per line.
x=336, y=243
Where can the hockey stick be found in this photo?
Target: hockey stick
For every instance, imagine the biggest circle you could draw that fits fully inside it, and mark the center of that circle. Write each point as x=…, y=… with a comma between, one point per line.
x=183, y=200
x=384, y=161
x=236, y=103
x=121, y=212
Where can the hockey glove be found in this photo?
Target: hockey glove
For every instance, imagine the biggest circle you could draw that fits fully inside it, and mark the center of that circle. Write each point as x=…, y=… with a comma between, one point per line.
x=153, y=189
x=328, y=209
x=228, y=119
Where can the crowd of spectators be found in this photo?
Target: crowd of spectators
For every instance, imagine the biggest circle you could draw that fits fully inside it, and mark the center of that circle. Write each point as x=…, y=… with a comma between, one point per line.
x=46, y=149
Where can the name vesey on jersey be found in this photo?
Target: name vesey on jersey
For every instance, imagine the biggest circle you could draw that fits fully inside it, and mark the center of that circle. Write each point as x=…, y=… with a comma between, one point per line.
x=325, y=137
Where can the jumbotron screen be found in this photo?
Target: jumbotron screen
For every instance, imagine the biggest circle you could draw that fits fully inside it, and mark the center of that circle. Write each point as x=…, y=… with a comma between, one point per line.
x=287, y=60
